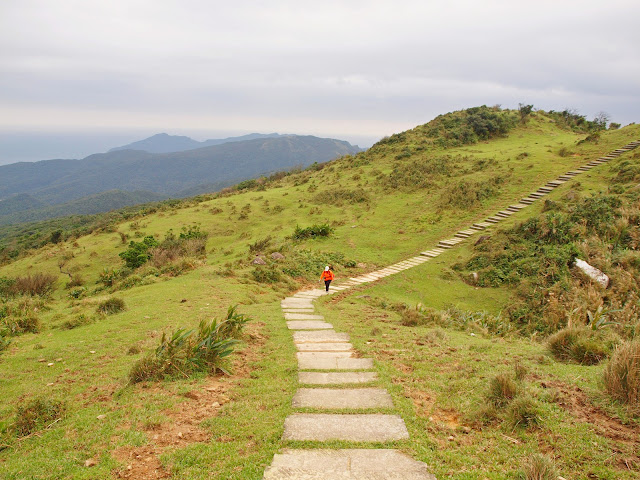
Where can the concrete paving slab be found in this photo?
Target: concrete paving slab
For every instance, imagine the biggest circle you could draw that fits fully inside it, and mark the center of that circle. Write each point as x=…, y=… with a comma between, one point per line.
x=346, y=464
x=308, y=325
x=302, y=316
x=356, y=428
x=336, y=378
x=311, y=355
x=342, y=398
x=298, y=310
x=330, y=336
x=324, y=347
x=335, y=363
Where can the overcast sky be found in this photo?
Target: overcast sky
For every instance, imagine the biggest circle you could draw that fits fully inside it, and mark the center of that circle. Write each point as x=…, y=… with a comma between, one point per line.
x=350, y=69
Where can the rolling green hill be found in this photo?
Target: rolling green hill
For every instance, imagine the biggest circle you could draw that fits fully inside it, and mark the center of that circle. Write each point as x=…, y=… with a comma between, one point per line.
x=439, y=339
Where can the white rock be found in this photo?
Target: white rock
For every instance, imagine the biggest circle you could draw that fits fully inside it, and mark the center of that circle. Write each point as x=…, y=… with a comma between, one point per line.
x=593, y=272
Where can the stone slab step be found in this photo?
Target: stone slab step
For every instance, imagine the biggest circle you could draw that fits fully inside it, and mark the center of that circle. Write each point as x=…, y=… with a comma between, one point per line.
x=336, y=378
x=302, y=316
x=324, y=347
x=327, y=362
x=346, y=464
x=430, y=254
x=308, y=325
x=298, y=310
x=342, y=398
x=356, y=428
x=319, y=336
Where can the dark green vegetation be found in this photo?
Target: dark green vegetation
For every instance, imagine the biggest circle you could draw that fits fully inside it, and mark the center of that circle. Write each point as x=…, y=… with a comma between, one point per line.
x=66, y=187
x=470, y=366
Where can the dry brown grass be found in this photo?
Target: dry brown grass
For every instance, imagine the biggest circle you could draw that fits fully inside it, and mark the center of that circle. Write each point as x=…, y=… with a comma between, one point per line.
x=622, y=374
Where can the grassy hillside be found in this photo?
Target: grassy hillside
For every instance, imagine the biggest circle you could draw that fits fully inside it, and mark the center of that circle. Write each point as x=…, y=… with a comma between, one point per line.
x=438, y=340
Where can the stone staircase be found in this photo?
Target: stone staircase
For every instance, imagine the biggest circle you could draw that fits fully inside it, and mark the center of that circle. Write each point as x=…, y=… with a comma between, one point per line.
x=333, y=377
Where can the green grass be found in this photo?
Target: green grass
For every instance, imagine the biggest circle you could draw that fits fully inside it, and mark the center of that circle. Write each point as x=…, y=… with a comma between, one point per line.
x=438, y=376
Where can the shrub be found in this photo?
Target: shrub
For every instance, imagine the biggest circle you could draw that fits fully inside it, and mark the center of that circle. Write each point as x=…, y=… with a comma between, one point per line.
x=20, y=316
x=186, y=352
x=313, y=231
x=75, y=322
x=109, y=276
x=4, y=342
x=234, y=323
x=523, y=411
x=41, y=284
x=502, y=389
x=138, y=252
x=264, y=274
x=582, y=345
x=538, y=467
x=76, y=280
x=37, y=414
x=111, y=306
x=622, y=374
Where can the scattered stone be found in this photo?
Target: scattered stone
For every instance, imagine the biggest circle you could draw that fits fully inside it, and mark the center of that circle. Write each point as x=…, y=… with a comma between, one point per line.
x=50, y=364
x=50, y=384
x=92, y=351
x=451, y=438
x=90, y=463
x=180, y=435
x=277, y=256
x=259, y=260
x=42, y=360
x=101, y=417
x=58, y=359
x=474, y=278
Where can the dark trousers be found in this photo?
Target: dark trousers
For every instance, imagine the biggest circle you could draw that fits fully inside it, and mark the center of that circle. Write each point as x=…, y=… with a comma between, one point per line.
x=326, y=284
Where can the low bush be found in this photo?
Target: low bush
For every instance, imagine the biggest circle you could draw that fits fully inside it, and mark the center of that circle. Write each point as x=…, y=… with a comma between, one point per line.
x=36, y=415
x=111, y=306
x=265, y=274
x=188, y=351
x=538, y=467
x=622, y=374
x=4, y=342
x=581, y=345
x=313, y=231
x=41, y=284
x=20, y=316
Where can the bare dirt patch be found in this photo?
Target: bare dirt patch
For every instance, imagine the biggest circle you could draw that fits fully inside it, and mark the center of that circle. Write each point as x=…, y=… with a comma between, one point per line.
x=625, y=439
x=574, y=400
x=184, y=428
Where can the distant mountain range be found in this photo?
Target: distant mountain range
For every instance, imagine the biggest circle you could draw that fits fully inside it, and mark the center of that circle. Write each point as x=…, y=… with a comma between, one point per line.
x=29, y=190
x=164, y=143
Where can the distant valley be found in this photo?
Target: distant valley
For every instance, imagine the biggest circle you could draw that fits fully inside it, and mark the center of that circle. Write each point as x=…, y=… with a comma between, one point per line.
x=151, y=170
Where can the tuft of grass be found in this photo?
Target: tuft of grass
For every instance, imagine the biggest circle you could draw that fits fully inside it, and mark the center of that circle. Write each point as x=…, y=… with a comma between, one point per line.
x=523, y=411
x=111, y=306
x=622, y=374
x=538, y=467
x=581, y=345
x=502, y=390
x=36, y=415
x=185, y=352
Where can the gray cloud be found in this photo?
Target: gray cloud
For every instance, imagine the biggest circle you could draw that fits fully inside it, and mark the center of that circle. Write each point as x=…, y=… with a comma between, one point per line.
x=345, y=69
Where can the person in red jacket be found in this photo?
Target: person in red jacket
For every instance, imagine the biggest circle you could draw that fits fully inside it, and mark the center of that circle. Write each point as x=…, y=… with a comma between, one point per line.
x=327, y=276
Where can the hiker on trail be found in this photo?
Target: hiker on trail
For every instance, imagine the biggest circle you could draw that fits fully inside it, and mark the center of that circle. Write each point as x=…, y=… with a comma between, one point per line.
x=327, y=276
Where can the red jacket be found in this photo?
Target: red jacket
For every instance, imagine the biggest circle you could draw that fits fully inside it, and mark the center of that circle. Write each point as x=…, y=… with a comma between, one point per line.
x=327, y=275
